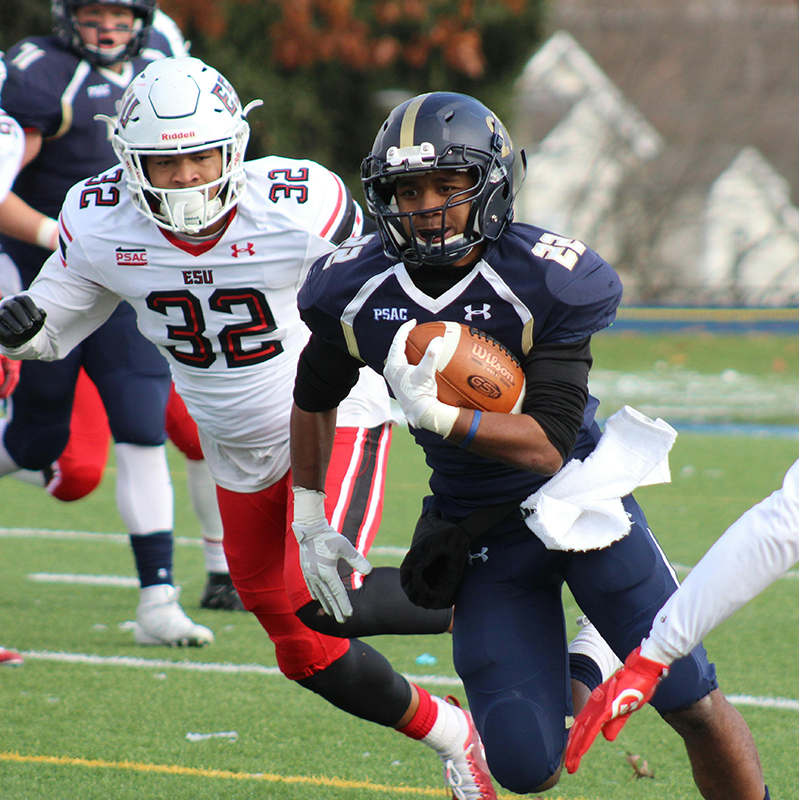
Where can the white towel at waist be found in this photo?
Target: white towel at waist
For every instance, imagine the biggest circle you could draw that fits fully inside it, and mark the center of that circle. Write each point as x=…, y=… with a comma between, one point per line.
x=580, y=508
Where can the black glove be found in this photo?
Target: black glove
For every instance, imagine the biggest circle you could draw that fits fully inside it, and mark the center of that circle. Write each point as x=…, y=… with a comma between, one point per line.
x=431, y=570
x=20, y=320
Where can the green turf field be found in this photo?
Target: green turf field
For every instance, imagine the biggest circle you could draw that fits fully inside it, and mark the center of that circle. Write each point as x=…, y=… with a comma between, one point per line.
x=90, y=716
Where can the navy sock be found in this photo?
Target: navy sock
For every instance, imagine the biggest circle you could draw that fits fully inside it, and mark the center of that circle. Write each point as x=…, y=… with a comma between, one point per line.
x=153, y=556
x=768, y=796
x=585, y=670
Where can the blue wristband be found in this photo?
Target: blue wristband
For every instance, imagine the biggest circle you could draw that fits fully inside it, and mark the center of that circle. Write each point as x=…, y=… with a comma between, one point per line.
x=472, y=430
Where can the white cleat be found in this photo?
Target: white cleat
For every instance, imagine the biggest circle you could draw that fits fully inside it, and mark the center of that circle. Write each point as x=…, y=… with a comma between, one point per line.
x=161, y=621
x=465, y=770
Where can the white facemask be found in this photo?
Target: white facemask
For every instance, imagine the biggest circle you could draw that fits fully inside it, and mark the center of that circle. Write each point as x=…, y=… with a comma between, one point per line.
x=189, y=210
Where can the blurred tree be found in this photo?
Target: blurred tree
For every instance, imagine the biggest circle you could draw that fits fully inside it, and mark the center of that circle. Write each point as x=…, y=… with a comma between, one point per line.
x=17, y=20
x=330, y=70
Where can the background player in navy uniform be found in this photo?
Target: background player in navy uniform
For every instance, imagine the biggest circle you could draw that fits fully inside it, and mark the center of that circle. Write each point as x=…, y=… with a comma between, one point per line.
x=55, y=86
x=439, y=181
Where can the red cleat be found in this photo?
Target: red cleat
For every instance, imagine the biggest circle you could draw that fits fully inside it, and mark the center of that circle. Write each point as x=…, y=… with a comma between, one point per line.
x=10, y=658
x=466, y=772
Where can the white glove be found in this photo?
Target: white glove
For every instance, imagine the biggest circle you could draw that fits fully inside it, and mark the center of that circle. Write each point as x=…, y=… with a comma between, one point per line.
x=321, y=547
x=415, y=387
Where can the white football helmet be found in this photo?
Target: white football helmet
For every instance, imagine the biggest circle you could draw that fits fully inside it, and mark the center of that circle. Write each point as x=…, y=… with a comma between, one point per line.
x=176, y=106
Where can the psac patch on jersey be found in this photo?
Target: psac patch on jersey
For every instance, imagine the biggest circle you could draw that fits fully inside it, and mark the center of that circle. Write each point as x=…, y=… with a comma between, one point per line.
x=131, y=257
x=474, y=371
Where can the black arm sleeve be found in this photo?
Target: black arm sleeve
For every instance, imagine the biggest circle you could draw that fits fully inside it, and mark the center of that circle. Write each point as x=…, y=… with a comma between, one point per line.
x=325, y=376
x=557, y=390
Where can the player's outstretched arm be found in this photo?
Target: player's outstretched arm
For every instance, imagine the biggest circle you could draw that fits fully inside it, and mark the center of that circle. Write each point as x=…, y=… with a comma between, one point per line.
x=611, y=704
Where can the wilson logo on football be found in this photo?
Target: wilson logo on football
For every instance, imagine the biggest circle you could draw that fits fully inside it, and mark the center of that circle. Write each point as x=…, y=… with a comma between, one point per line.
x=131, y=258
x=483, y=386
x=493, y=362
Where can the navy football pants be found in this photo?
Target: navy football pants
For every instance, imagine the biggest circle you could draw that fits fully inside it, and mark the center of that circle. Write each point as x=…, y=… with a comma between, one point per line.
x=510, y=645
x=131, y=376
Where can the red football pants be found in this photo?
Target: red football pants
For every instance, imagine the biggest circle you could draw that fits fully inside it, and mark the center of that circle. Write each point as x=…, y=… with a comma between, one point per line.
x=80, y=467
x=263, y=554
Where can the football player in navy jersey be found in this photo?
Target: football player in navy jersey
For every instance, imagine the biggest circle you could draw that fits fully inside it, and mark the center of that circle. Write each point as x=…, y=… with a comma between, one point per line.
x=55, y=86
x=439, y=181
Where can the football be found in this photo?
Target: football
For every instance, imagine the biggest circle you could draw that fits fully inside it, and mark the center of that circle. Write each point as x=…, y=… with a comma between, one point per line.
x=475, y=370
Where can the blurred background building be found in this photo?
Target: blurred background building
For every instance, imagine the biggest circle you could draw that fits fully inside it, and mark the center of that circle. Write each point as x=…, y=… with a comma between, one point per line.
x=665, y=135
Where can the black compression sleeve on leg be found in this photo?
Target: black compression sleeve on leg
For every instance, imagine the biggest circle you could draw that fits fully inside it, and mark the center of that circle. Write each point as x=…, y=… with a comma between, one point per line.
x=379, y=606
x=364, y=684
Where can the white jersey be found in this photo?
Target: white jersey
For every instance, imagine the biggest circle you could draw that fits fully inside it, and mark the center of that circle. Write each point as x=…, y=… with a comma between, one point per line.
x=753, y=552
x=222, y=311
x=12, y=147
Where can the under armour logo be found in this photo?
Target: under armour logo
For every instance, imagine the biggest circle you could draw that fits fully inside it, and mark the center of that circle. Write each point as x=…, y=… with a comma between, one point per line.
x=473, y=312
x=248, y=248
x=482, y=555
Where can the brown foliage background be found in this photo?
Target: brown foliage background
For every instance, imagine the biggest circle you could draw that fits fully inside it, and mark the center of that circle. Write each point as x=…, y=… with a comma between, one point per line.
x=330, y=70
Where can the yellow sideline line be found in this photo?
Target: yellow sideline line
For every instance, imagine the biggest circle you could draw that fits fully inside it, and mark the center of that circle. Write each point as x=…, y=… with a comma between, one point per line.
x=174, y=769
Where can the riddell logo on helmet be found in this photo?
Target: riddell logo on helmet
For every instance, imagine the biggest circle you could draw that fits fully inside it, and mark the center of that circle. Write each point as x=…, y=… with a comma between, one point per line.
x=177, y=135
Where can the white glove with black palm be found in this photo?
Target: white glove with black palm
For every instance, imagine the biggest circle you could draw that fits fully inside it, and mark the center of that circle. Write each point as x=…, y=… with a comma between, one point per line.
x=321, y=547
x=415, y=387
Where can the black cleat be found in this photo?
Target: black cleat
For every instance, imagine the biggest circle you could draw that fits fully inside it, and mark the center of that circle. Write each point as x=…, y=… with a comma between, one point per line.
x=220, y=594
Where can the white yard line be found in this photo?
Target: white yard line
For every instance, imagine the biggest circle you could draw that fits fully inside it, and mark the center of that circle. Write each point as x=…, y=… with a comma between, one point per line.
x=123, y=538
x=780, y=703
x=193, y=666
x=86, y=580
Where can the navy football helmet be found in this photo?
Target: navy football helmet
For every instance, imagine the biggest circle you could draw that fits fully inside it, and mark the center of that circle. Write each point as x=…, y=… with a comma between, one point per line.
x=438, y=131
x=66, y=28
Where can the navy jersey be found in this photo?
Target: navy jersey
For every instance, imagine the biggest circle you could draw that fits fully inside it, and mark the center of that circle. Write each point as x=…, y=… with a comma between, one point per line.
x=531, y=287
x=51, y=89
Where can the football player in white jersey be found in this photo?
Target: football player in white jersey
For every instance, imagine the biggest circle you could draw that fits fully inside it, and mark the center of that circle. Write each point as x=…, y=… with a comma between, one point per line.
x=210, y=251
x=753, y=552
x=12, y=146
x=62, y=416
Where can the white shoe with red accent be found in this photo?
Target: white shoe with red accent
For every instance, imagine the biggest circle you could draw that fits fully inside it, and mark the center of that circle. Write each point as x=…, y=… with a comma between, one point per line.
x=465, y=770
x=10, y=658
